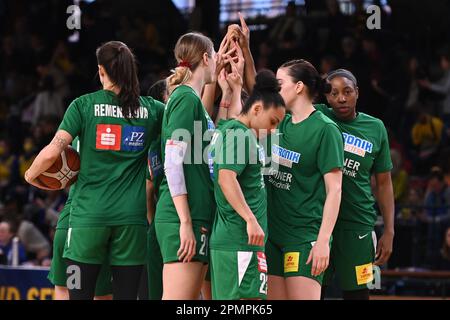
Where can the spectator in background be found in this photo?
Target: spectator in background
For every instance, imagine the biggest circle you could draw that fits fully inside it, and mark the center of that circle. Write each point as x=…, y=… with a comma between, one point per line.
x=437, y=197
x=34, y=242
x=289, y=29
x=327, y=64
x=7, y=233
x=412, y=208
x=9, y=174
x=437, y=201
x=286, y=36
x=426, y=137
x=443, y=262
x=53, y=87
x=62, y=61
x=399, y=177
x=442, y=86
x=49, y=102
x=27, y=157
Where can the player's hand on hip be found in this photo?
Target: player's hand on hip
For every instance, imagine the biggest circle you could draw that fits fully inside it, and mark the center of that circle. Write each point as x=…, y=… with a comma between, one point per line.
x=187, y=242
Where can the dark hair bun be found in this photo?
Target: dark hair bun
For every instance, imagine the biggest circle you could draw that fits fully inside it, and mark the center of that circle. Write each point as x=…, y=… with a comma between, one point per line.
x=266, y=82
x=324, y=86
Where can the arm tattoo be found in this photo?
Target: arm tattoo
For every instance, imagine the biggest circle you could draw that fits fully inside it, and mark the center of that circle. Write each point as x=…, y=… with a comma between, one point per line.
x=59, y=142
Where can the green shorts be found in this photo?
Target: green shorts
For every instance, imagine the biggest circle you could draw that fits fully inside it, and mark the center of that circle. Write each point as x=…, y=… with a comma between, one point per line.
x=154, y=265
x=351, y=259
x=58, y=276
x=168, y=235
x=238, y=275
x=122, y=245
x=290, y=261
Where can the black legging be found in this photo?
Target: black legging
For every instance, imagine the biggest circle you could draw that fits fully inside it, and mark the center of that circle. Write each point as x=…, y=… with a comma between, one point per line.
x=82, y=279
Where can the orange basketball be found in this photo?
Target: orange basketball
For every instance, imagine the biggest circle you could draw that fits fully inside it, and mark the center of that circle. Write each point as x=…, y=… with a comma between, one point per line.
x=63, y=172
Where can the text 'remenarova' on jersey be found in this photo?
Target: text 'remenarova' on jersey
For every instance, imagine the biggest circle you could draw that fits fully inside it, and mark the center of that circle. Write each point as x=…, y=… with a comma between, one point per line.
x=110, y=189
x=304, y=153
x=234, y=147
x=185, y=111
x=366, y=152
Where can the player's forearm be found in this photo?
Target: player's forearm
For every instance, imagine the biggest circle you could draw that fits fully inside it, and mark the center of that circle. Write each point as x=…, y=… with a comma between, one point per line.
x=182, y=207
x=208, y=97
x=386, y=205
x=224, y=105
x=173, y=168
x=233, y=193
x=43, y=161
x=236, y=104
x=331, y=206
x=249, y=70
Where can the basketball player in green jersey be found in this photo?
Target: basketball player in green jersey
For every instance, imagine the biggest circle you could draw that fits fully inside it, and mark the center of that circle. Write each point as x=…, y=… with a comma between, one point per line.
x=355, y=250
x=305, y=188
x=186, y=204
x=57, y=274
x=238, y=262
x=108, y=215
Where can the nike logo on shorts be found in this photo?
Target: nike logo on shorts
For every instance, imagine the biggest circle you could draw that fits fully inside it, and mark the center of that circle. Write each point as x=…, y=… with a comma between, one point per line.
x=362, y=237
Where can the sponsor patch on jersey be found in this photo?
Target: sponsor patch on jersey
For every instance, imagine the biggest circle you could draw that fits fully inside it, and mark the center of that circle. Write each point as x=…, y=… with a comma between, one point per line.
x=356, y=145
x=364, y=273
x=262, y=262
x=291, y=261
x=155, y=164
x=284, y=157
x=108, y=137
x=133, y=138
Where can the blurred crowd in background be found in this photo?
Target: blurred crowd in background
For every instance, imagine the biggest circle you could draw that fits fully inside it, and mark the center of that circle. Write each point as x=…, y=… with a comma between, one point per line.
x=403, y=73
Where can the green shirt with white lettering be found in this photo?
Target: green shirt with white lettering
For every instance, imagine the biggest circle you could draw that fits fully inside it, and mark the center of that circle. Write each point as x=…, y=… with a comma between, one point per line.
x=303, y=154
x=110, y=188
x=366, y=152
x=235, y=147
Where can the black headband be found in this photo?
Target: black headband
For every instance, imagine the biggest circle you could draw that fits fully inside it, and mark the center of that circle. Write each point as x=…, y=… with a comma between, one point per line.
x=342, y=73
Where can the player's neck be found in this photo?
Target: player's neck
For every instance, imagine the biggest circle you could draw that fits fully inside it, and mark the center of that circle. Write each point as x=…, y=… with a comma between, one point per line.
x=301, y=110
x=196, y=82
x=109, y=86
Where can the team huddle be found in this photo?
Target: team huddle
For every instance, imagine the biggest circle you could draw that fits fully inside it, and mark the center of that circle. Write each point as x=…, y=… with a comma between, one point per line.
x=266, y=196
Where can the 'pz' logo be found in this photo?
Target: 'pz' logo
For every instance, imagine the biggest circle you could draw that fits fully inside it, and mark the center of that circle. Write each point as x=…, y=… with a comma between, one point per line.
x=137, y=136
x=133, y=138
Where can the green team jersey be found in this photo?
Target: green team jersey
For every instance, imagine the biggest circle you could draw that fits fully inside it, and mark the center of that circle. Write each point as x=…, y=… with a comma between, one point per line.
x=155, y=170
x=110, y=189
x=234, y=147
x=185, y=119
x=304, y=153
x=63, y=220
x=366, y=152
